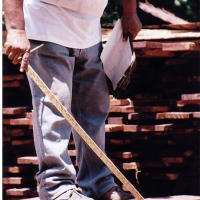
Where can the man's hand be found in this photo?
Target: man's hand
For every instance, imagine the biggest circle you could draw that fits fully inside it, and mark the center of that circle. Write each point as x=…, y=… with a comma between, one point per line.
x=130, y=24
x=18, y=48
x=17, y=45
x=130, y=21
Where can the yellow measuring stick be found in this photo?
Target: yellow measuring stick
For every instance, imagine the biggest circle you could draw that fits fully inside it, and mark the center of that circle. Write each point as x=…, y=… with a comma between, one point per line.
x=81, y=132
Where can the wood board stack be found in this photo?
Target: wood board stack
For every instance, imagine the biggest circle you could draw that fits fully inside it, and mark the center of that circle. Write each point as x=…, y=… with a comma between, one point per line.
x=152, y=131
x=154, y=124
x=18, y=179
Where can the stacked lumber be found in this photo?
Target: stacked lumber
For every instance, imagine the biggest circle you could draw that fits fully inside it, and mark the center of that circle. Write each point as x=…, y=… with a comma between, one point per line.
x=18, y=179
x=161, y=145
x=152, y=130
x=153, y=127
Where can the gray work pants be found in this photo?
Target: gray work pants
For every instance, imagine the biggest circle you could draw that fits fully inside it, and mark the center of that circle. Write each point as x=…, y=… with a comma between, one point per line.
x=77, y=79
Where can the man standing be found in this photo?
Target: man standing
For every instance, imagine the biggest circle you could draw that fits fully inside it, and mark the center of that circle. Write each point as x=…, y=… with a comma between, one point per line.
x=69, y=63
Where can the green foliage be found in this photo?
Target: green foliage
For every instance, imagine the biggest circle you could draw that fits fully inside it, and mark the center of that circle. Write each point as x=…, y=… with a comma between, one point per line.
x=188, y=10
x=112, y=12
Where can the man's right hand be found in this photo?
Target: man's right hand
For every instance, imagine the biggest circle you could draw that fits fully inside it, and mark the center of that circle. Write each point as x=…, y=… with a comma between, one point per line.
x=17, y=47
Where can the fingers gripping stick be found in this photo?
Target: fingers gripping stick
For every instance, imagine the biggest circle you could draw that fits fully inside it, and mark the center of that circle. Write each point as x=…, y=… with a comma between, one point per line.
x=81, y=132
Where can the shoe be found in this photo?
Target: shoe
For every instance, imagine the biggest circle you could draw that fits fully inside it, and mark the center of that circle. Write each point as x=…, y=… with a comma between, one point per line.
x=116, y=193
x=73, y=194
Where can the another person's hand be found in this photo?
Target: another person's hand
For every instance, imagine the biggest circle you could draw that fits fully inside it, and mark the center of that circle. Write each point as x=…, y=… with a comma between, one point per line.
x=17, y=47
x=131, y=24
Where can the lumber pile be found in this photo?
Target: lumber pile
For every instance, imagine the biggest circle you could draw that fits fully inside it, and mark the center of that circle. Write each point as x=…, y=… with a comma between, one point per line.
x=154, y=126
x=160, y=144
x=152, y=130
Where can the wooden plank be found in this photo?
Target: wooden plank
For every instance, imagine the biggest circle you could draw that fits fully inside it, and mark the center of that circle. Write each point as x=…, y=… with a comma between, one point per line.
x=13, y=77
x=174, y=115
x=188, y=26
x=10, y=84
x=147, y=44
x=116, y=120
x=129, y=166
x=19, y=121
x=15, y=169
x=146, y=128
x=20, y=192
x=158, y=34
x=110, y=128
x=21, y=142
x=27, y=160
x=165, y=115
x=183, y=103
x=124, y=155
x=181, y=46
x=149, y=34
x=119, y=102
x=119, y=142
x=15, y=180
x=190, y=96
x=72, y=153
x=14, y=132
x=196, y=114
x=115, y=109
x=14, y=110
x=154, y=53
x=144, y=109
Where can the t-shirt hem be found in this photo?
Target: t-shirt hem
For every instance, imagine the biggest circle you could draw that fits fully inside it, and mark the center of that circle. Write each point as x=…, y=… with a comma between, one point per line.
x=84, y=45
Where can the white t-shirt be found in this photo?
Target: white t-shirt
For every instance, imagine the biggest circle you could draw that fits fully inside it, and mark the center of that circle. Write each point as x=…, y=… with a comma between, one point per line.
x=70, y=23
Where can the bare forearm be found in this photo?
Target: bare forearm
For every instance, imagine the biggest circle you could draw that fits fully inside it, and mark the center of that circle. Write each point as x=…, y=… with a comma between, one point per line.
x=130, y=20
x=17, y=45
x=14, y=14
x=129, y=6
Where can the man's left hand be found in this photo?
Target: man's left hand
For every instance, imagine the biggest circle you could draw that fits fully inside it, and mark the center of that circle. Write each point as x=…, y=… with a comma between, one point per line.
x=131, y=24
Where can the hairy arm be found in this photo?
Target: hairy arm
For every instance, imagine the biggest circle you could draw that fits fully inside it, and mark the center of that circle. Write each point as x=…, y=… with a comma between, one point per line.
x=17, y=44
x=130, y=20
